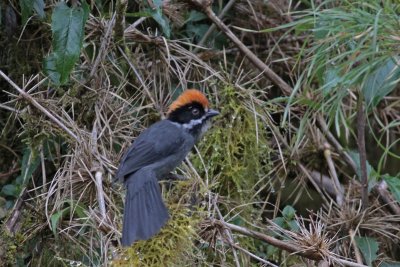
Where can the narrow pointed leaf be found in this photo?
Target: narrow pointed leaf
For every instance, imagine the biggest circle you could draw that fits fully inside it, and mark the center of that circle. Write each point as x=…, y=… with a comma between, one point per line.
x=381, y=82
x=368, y=247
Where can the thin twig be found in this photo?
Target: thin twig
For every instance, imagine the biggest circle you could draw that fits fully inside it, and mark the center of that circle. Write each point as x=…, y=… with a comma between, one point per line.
x=135, y=24
x=356, y=250
x=42, y=162
x=213, y=26
x=205, y=5
x=270, y=240
x=139, y=77
x=335, y=180
x=99, y=174
x=38, y=106
x=386, y=197
x=268, y=263
x=7, y=174
x=10, y=109
x=362, y=151
x=12, y=221
x=318, y=180
x=100, y=194
x=104, y=43
x=324, y=129
x=227, y=232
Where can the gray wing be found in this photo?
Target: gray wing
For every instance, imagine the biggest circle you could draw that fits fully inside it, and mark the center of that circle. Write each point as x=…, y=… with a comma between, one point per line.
x=155, y=143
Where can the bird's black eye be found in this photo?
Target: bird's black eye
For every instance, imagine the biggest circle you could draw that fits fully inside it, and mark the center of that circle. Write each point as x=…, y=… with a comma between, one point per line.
x=195, y=112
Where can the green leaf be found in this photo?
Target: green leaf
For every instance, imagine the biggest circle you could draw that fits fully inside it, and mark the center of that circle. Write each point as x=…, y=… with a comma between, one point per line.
x=381, y=82
x=321, y=28
x=331, y=80
x=9, y=190
x=195, y=16
x=77, y=209
x=394, y=185
x=55, y=218
x=26, y=9
x=293, y=225
x=38, y=6
x=370, y=170
x=157, y=15
x=50, y=67
x=29, y=164
x=368, y=247
x=288, y=212
x=280, y=221
x=28, y=6
x=162, y=21
x=197, y=30
x=67, y=25
x=390, y=264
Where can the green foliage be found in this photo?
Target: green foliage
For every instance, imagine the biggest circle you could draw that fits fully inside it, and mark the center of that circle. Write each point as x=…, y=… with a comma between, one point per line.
x=288, y=220
x=157, y=15
x=196, y=26
x=394, y=185
x=348, y=52
x=371, y=173
x=389, y=264
x=30, y=6
x=73, y=210
x=68, y=24
x=368, y=247
x=30, y=162
x=9, y=249
x=381, y=81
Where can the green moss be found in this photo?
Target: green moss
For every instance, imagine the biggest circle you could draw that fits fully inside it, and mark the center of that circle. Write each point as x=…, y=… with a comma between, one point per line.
x=168, y=248
x=8, y=249
x=236, y=150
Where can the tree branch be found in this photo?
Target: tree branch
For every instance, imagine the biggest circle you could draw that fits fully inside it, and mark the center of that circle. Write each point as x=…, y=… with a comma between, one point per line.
x=270, y=240
x=312, y=255
x=205, y=5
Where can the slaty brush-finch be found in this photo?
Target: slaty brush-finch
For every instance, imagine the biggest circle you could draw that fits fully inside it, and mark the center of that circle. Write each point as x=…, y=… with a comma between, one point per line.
x=153, y=155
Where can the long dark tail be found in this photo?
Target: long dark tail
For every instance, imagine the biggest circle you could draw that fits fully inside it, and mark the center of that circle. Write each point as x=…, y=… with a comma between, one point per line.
x=145, y=212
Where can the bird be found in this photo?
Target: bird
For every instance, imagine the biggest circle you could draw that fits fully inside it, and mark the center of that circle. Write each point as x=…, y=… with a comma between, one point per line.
x=156, y=152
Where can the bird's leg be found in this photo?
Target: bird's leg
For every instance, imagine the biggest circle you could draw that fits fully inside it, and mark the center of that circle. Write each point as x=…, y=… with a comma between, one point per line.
x=174, y=177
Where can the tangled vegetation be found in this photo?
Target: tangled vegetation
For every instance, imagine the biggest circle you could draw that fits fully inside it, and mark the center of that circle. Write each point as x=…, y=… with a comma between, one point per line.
x=300, y=168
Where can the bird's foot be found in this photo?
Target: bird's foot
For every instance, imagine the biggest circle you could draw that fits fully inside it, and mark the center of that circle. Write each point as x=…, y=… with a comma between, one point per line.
x=175, y=177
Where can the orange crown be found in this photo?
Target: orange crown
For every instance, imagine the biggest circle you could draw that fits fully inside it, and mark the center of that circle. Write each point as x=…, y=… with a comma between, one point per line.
x=189, y=96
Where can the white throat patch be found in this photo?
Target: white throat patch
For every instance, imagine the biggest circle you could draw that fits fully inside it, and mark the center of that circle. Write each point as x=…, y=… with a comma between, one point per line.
x=193, y=123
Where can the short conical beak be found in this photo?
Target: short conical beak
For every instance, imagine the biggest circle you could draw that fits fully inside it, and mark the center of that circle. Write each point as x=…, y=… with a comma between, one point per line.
x=211, y=113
